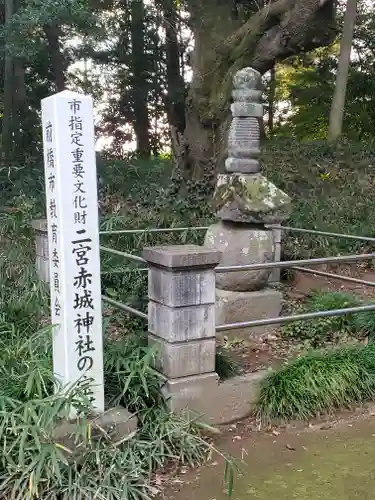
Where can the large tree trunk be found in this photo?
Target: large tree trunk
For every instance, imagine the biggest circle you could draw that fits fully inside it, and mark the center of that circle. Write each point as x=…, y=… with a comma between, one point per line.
x=224, y=43
x=140, y=79
x=8, y=115
x=271, y=101
x=13, y=137
x=2, y=48
x=20, y=141
x=175, y=99
x=338, y=102
x=59, y=65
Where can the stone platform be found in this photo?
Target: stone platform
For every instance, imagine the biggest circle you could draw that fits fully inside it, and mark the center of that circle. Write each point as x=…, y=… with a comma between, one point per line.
x=236, y=307
x=217, y=403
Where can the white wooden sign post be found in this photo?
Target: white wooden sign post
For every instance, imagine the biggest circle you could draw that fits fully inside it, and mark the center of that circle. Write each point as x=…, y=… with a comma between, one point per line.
x=73, y=235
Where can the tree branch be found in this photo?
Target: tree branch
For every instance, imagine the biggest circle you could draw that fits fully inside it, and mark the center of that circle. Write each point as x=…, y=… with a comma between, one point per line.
x=281, y=29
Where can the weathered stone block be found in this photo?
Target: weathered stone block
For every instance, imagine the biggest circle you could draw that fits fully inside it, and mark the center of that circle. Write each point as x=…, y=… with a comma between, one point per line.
x=241, y=108
x=247, y=79
x=242, y=165
x=181, y=288
x=42, y=267
x=250, y=198
x=181, y=256
x=235, y=398
x=41, y=244
x=181, y=324
x=243, y=138
x=190, y=392
x=246, y=95
x=217, y=403
x=117, y=423
x=241, y=244
x=275, y=275
x=40, y=225
x=41, y=248
x=236, y=307
x=184, y=359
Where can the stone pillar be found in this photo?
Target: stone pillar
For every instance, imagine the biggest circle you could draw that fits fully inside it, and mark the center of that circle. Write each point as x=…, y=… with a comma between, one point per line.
x=181, y=321
x=245, y=202
x=41, y=247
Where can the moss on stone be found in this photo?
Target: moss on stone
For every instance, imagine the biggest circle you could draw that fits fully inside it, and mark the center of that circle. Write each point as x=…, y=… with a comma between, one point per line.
x=251, y=197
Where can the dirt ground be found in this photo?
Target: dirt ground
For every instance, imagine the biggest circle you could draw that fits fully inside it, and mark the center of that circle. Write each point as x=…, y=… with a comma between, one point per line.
x=271, y=350
x=332, y=459
x=303, y=283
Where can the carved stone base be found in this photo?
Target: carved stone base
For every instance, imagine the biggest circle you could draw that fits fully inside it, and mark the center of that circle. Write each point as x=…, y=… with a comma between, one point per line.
x=241, y=244
x=236, y=307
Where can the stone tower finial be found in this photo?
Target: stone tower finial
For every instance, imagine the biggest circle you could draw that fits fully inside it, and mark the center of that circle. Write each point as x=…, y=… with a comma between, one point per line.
x=246, y=79
x=246, y=202
x=244, y=132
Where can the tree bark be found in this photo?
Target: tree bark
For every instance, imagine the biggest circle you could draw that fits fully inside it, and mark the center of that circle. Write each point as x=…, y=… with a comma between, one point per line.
x=13, y=137
x=141, y=121
x=175, y=100
x=59, y=65
x=7, y=128
x=338, y=102
x=271, y=101
x=19, y=107
x=224, y=44
x=2, y=48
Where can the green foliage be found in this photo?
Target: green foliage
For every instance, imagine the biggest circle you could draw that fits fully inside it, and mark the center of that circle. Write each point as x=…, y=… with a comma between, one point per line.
x=318, y=382
x=25, y=367
x=139, y=195
x=129, y=378
x=365, y=324
x=225, y=366
x=35, y=463
x=305, y=87
x=330, y=186
x=319, y=331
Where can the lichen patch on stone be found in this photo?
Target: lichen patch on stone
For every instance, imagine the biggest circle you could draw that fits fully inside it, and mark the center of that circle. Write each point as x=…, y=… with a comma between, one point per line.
x=250, y=198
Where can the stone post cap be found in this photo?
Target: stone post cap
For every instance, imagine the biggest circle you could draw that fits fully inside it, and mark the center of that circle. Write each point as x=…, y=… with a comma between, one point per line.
x=182, y=256
x=40, y=225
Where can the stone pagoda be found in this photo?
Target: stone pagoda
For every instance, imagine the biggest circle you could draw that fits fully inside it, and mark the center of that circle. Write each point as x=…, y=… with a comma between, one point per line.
x=245, y=202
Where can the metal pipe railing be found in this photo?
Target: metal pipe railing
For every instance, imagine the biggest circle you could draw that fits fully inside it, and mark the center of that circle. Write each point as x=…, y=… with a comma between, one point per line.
x=154, y=230
x=122, y=254
x=296, y=265
x=296, y=268
x=333, y=275
x=124, y=307
x=323, y=233
x=297, y=317
x=126, y=270
x=271, y=226
x=291, y=263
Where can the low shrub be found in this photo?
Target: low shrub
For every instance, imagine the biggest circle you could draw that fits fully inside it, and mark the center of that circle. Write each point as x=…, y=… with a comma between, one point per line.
x=364, y=323
x=225, y=366
x=320, y=331
x=35, y=465
x=318, y=382
x=330, y=185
